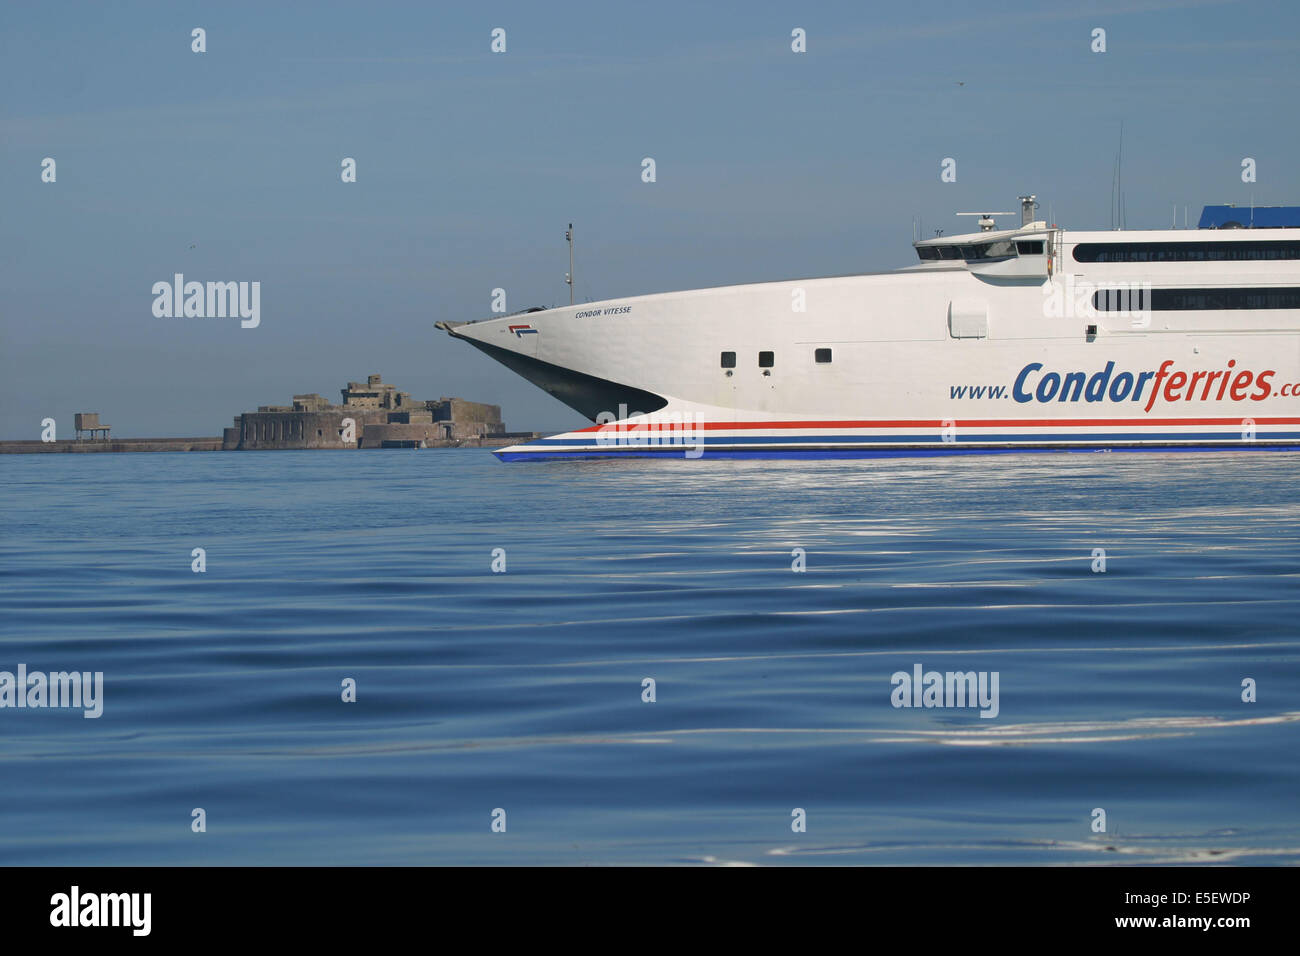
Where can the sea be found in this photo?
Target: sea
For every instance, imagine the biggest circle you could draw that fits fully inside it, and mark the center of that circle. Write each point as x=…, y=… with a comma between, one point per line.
x=426, y=657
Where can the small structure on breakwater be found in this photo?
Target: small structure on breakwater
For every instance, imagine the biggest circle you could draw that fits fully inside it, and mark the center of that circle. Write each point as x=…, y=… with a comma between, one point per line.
x=89, y=422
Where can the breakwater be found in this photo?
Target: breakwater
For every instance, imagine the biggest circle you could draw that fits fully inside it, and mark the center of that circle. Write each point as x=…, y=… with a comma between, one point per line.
x=113, y=444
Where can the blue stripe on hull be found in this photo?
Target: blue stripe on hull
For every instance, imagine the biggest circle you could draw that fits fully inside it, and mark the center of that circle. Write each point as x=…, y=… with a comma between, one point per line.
x=810, y=453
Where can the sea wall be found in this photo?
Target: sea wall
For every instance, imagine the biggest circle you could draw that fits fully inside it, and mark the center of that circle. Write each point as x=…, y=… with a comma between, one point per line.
x=112, y=444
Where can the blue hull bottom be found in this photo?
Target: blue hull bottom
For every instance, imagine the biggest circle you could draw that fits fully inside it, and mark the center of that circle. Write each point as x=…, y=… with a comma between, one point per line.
x=543, y=454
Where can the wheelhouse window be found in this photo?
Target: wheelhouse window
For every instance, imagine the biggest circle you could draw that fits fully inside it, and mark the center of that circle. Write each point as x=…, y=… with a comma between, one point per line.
x=1191, y=300
x=1030, y=247
x=1245, y=250
x=766, y=359
x=822, y=356
x=728, y=359
x=1001, y=249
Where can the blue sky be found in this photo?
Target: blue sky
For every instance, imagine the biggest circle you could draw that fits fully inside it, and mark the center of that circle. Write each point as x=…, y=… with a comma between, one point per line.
x=470, y=164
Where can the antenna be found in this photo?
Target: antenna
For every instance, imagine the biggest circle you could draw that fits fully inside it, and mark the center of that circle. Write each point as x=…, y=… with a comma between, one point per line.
x=1113, y=166
x=1117, y=184
x=1123, y=209
x=568, y=276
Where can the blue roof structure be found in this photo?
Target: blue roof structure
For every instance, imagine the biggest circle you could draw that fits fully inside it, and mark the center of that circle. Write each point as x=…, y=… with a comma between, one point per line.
x=1250, y=217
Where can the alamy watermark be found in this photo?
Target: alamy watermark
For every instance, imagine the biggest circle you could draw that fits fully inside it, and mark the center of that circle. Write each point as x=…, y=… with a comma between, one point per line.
x=624, y=429
x=76, y=908
x=212, y=300
x=922, y=688
x=1073, y=298
x=36, y=689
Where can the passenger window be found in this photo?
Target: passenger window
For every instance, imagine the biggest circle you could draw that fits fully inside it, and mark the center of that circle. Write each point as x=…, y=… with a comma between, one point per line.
x=728, y=359
x=766, y=359
x=822, y=356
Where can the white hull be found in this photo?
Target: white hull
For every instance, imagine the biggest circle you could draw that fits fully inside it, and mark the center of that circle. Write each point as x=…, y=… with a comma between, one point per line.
x=945, y=357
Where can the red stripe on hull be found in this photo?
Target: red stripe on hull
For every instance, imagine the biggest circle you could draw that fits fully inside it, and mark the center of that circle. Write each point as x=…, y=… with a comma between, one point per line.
x=964, y=422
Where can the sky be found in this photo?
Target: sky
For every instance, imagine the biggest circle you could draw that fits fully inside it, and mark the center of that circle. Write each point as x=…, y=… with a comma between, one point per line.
x=225, y=166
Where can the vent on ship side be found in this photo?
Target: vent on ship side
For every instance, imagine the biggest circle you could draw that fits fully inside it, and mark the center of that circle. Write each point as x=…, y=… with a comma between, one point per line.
x=968, y=319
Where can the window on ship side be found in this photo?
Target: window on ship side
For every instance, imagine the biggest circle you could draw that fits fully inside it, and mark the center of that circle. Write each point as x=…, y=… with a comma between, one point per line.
x=1191, y=300
x=766, y=359
x=1241, y=250
x=728, y=359
x=822, y=356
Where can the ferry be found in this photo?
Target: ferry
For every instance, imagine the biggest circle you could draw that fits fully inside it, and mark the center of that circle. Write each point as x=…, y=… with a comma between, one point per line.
x=1027, y=339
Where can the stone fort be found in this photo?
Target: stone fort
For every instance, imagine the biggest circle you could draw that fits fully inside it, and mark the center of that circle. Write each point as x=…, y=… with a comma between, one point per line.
x=382, y=417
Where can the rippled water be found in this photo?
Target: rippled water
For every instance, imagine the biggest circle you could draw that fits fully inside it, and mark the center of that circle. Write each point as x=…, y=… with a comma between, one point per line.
x=523, y=691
